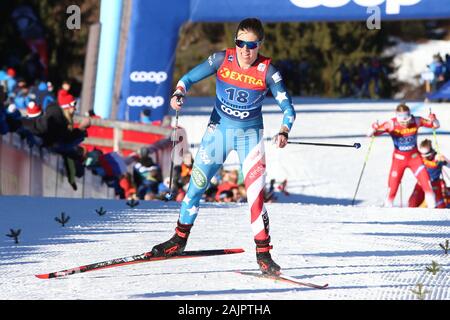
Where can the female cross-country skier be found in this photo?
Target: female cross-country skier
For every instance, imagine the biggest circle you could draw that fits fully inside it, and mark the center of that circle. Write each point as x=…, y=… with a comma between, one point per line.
x=404, y=129
x=243, y=77
x=434, y=163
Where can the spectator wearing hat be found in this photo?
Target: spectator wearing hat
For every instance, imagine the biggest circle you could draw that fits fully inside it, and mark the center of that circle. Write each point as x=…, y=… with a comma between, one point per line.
x=50, y=87
x=68, y=104
x=56, y=127
x=33, y=109
x=21, y=94
x=66, y=100
x=43, y=96
x=63, y=92
x=11, y=79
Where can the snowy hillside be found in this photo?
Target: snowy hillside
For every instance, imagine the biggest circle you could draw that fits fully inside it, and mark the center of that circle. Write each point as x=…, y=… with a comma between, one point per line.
x=363, y=252
x=411, y=59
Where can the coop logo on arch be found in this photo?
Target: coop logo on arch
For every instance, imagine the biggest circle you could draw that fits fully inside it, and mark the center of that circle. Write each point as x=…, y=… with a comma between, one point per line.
x=152, y=76
x=392, y=6
x=148, y=101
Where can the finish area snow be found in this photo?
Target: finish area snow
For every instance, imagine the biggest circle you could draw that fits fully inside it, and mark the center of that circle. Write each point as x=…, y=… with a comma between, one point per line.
x=362, y=252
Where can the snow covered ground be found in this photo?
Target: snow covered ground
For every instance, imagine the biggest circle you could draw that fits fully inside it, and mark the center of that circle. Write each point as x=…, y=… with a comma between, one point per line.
x=363, y=252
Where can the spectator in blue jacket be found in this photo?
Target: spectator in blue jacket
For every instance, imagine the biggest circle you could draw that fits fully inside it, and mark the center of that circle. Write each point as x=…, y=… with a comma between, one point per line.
x=11, y=80
x=43, y=96
x=447, y=67
x=21, y=95
x=438, y=68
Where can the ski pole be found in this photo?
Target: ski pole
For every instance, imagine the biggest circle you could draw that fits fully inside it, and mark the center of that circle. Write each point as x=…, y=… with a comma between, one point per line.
x=362, y=171
x=435, y=138
x=355, y=145
x=443, y=190
x=174, y=132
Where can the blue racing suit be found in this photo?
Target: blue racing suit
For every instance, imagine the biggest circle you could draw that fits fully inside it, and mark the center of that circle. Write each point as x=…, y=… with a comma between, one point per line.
x=236, y=123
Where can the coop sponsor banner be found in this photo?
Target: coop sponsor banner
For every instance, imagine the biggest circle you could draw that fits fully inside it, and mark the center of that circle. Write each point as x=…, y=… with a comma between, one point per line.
x=152, y=40
x=316, y=10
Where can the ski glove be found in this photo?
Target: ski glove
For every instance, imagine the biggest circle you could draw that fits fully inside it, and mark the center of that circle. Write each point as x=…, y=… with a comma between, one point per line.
x=176, y=102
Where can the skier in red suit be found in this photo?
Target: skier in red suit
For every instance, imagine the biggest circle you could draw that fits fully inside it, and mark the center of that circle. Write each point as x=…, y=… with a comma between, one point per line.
x=404, y=129
x=434, y=163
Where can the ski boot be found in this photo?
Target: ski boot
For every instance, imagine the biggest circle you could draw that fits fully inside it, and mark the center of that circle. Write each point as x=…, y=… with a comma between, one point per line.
x=174, y=245
x=264, y=259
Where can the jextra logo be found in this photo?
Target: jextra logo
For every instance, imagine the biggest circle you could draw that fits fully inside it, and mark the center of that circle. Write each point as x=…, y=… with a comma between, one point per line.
x=235, y=113
x=406, y=131
x=392, y=6
x=149, y=101
x=226, y=73
x=152, y=76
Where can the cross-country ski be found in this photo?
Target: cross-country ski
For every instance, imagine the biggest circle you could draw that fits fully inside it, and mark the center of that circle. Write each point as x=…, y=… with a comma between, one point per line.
x=144, y=257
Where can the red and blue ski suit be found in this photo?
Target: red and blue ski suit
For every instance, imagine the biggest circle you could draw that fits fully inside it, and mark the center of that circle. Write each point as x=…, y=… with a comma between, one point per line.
x=406, y=155
x=434, y=167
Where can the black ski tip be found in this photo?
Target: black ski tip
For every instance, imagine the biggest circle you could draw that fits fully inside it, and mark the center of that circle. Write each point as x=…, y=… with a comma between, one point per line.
x=357, y=145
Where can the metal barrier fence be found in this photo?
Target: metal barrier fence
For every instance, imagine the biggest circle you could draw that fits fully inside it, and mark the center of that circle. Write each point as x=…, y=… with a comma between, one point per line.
x=37, y=172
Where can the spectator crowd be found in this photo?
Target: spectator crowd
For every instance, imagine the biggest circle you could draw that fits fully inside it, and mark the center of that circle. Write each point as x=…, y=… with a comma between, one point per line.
x=357, y=79
x=44, y=119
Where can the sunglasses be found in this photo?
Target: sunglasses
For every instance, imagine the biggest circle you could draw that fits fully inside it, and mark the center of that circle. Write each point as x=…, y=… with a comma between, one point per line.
x=249, y=44
x=425, y=153
x=403, y=116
